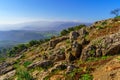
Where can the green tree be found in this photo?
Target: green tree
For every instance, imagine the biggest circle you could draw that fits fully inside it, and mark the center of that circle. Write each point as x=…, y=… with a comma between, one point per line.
x=79, y=27
x=64, y=32
x=33, y=42
x=115, y=12
x=70, y=29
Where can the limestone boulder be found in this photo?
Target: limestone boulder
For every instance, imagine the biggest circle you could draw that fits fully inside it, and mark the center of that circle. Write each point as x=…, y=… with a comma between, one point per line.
x=68, y=55
x=42, y=64
x=70, y=68
x=82, y=32
x=54, y=42
x=57, y=56
x=8, y=75
x=73, y=36
x=76, y=49
x=107, y=45
x=58, y=66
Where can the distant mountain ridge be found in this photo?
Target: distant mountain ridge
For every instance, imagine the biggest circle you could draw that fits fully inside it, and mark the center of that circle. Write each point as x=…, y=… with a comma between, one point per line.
x=24, y=32
x=41, y=25
x=24, y=35
x=46, y=26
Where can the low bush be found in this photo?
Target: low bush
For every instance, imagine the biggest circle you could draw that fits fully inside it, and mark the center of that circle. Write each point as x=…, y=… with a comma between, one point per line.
x=66, y=31
x=27, y=63
x=86, y=77
x=23, y=74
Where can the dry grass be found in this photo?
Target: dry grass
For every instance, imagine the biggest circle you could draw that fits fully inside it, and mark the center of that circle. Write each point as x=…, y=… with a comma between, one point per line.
x=103, y=32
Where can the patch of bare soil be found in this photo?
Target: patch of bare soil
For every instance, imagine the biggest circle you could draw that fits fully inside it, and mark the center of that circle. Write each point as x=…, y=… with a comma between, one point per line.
x=108, y=71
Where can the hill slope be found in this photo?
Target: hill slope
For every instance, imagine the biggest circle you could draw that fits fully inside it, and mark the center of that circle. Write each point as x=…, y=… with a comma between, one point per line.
x=80, y=54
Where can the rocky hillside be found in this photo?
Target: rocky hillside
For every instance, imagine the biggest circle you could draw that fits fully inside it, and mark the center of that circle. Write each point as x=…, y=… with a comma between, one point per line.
x=88, y=53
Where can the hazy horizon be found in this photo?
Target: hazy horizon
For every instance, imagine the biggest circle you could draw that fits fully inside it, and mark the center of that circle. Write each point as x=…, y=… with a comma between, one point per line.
x=12, y=11
x=25, y=11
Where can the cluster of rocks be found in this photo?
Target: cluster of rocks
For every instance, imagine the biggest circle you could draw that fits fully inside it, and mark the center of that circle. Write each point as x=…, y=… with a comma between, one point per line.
x=58, y=66
x=74, y=52
x=6, y=67
x=57, y=56
x=8, y=75
x=54, y=42
x=6, y=70
x=107, y=45
x=102, y=46
x=42, y=64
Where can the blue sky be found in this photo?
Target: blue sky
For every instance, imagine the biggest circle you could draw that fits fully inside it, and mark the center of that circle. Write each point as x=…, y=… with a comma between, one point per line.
x=19, y=11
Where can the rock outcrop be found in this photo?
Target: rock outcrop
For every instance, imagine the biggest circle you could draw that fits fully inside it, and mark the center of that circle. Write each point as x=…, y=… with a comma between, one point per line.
x=8, y=75
x=6, y=67
x=42, y=64
x=82, y=32
x=76, y=49
x=68, y=55
x=58, y=66
x=70, y=68
x=53, y=42
x=107, y=45
x=57, y=56
x=73, y=36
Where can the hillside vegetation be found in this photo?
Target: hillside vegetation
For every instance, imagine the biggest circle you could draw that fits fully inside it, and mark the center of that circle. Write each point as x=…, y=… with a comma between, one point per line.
x=79, y=53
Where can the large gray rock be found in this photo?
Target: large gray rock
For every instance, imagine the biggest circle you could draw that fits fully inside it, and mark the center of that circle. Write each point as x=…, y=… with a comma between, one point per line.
x=82, y=32
x=114, y=49
x=76, y=49
x=42, y=64
x=6, y=67
x=70, y=68
x=73, y=36
x=88, y=51
x=57, y=56
x=54, y=42
x=68, y=55
x=84, y=41
x=8, y=75
x=98, y=52
x=58, y=66
x=6, y=70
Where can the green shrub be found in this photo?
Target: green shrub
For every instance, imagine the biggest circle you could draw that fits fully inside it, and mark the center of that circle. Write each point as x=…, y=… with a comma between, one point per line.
x=92, y=52
x=70, y=29
x=99, y=27
x=47, y=78
x=21, y=47
x=104, y=57
x=27, y=63
x=110, y=26
x=72, y=75
x=79, y=27
x=86, y=77
x=104, y=23
x=64, y=32
x=33, y=42
x=2, y=59
x=117, y=17
x=23, y=74
x=62, y=50
x=67, y=41
x=90, y=59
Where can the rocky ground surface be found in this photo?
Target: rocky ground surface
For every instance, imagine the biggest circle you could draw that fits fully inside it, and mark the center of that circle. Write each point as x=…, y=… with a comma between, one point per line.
x=90, y=53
